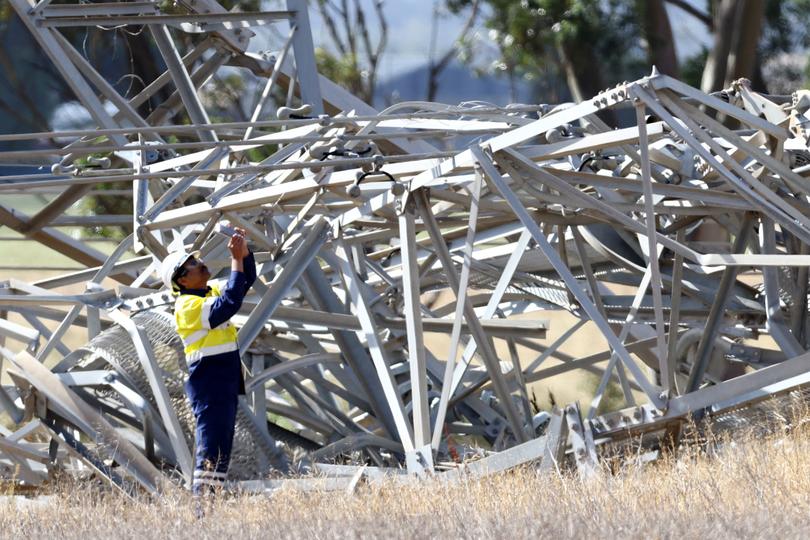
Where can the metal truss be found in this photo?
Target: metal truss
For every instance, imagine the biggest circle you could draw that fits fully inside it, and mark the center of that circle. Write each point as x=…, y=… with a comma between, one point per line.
x=360, y=219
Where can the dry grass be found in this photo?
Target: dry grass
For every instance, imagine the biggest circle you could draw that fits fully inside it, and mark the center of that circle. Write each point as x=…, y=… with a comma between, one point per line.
x=754, y=487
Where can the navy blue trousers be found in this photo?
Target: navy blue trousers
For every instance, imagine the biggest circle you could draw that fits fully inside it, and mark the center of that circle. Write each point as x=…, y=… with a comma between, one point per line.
x=213, y=387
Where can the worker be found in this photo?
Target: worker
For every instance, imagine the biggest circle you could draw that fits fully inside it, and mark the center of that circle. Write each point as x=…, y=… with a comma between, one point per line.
x=215, y=380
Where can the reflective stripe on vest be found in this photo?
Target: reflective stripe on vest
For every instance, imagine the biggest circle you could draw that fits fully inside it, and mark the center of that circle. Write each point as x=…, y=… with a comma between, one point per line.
x=211, y=351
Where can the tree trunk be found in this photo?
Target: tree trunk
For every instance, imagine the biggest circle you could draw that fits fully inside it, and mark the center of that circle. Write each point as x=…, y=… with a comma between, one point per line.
x=658, y=33
x=738, y=27
x=742, y=60
x=724, y=15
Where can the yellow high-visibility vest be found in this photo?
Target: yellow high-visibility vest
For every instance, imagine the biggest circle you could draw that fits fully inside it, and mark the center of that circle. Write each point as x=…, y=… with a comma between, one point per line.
x=191, y=314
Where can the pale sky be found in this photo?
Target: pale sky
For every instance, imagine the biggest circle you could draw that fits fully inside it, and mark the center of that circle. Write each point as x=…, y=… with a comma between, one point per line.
x=410, y=32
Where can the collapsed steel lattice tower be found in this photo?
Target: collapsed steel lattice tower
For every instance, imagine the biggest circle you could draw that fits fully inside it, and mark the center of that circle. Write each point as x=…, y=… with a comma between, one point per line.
x=357, y=217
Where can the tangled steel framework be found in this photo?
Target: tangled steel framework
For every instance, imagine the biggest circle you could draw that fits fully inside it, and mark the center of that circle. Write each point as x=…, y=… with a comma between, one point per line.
x=357, y=216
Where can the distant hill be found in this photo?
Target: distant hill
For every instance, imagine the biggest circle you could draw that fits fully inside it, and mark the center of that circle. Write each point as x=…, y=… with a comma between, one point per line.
x=457, y=83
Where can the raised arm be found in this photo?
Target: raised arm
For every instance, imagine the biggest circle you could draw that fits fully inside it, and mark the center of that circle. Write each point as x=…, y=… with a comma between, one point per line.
x=243, y=274
x=249, y=264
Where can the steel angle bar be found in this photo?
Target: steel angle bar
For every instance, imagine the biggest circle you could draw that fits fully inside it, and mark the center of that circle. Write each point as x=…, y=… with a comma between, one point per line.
x=504, y=280
x=260, y=377
x=709, y=259
x=19, y=454
x=520, y=383
x=93, y=424
x=63, y=243
x=188, y=22
x=371, y=335
x=253, y=232
x=20, y=450
x=174, y=103
x=629, y=150
x=7, y=402
x=321, y=408
x=768, y=202
x=236, y=40
x=556, y=436
x=573, y=285
x=18, y=332
x=182, y=81
x=682, y=192
x=717, y=310
x=581, y=437
x=775, y=321
x=101, y=8
x=99, y=298
x=653, y=253
x=664, y=81
x=798, y=311
x=678, y=108
x=78, y=450
x=66, y=68
x=551, y=349
x=296, y=265
x=675, y=313
x=60, y=331
x=56, y=207
x=461, y=301
x=152, y=88
x=636, y=347
x=271, y=81
x=125, y=110
x=596, y=293
x=238, y=183
x=524, y=133
x=630, y=320
x=791, y=178
x=752, y=386
x=318, y=292
x=414, y=331
x=299, y=416
x=590, y=143
x=258, y=397
x=485, y=346
x=304, y=50
x=121, y=268
x=355, y=442
x=170, y=195
x=532, y=450
x=154, y=375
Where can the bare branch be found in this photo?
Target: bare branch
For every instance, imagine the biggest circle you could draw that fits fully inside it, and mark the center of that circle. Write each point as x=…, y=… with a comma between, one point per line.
x=350, y=37
x=705, y=18
x=331, y=27
x=435, y=68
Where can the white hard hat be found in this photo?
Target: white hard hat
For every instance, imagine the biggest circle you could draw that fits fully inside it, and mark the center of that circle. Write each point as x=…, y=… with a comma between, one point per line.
x=172, y=264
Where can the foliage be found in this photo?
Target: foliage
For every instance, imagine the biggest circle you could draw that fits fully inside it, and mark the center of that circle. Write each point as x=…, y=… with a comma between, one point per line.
x=692, y=68
x=597, y=43
x=357, y=56
x=101, y=204
x=540, y=39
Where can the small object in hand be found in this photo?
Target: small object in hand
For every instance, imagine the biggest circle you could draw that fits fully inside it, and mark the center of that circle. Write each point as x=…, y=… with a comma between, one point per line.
x=226, y=229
